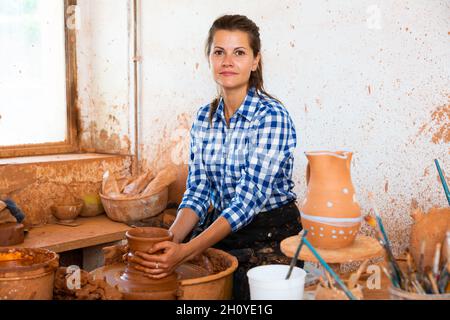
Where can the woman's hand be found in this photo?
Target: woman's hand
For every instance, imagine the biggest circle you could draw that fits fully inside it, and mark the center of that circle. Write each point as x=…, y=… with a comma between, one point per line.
x=158, y=265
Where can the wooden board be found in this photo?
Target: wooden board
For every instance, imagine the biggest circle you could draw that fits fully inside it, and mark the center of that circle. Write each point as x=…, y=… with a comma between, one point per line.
x=363, y=248
x=91, y=231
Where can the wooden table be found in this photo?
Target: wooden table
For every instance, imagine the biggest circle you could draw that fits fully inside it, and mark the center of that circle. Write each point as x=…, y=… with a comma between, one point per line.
x=91, y=235
x=91, y=231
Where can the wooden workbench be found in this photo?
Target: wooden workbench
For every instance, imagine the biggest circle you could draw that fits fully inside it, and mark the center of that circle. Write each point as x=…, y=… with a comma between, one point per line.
x=91, y=232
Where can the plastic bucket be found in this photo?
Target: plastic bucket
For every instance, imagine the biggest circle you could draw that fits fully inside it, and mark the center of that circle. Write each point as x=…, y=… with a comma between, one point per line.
x=268, y=283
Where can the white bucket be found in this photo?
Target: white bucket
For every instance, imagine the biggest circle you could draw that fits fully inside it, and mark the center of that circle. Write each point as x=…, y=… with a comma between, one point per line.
x=268, y=282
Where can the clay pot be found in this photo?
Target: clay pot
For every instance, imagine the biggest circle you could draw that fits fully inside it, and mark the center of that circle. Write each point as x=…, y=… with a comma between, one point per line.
x=11, y=233
x=67, y=212
x=137, y=285
x=430, y=227
x=323, y=293
x=330, y=211
x=30, y=277
x=92, y=206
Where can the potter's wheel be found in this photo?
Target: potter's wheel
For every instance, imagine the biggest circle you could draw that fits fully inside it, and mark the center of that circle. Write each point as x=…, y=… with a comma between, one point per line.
x=196, y=282
x=113, y=272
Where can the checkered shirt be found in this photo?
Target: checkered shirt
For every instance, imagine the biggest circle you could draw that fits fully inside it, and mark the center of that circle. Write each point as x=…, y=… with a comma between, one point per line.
x=245, y=168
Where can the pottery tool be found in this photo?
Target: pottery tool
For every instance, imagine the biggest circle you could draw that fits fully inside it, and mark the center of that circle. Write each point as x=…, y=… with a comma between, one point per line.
x=295, y=257
x=327, y=268
x=434, y=285
x=329, y=280
x=444, y=183
x=353, y=281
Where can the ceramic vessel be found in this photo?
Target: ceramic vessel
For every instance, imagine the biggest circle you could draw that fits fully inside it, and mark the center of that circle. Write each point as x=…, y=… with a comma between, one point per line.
x=67, y=212
x=137, y=285
x=431, y=228
x=30, y=277
x=330, y=211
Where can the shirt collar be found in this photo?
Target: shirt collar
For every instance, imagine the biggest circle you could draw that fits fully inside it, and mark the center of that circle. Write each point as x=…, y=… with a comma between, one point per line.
x=247, y=108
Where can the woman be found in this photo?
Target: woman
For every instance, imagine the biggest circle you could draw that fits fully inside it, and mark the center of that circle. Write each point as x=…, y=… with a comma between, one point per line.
x=241, y=159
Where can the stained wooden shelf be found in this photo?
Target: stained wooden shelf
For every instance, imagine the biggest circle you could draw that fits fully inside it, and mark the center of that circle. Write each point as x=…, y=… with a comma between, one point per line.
x=91, y=231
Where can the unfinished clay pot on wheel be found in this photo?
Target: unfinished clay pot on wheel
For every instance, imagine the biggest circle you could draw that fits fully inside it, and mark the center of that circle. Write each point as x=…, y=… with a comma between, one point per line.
x=330, y=211
x=137, y=285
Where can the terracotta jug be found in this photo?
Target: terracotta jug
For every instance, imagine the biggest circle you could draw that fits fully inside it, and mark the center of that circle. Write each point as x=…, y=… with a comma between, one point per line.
x=330, y=211
x=137, y=285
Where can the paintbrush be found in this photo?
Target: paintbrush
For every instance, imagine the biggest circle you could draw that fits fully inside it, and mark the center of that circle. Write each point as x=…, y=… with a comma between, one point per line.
x=327, y=268
x=444, y=278
x=418, y=287
x=295, y=257
x=395, y=279
x=421, y=259
x=389, y=276
x=444, y=183
x=437, y=255
x=397, y=270
x=390, y=259
x=434, y=285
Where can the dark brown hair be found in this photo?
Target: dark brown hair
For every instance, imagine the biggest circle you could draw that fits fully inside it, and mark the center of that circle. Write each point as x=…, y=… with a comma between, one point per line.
x=240, y=23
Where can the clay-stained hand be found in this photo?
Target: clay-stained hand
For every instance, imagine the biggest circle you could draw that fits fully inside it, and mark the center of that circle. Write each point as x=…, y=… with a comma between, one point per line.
x=161, y=260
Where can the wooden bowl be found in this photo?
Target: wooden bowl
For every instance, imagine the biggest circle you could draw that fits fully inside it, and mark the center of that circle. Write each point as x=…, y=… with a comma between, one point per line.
x=67, y=212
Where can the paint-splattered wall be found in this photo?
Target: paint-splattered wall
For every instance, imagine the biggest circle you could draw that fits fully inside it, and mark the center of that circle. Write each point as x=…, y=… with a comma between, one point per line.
x=372, y=77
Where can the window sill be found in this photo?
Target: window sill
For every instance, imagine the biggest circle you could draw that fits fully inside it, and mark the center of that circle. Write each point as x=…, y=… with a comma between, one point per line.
x=57, y=158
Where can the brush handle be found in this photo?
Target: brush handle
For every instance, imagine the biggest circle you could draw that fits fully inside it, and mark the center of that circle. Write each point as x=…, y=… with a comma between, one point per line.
x=295, y=257
x=444, y=183
x=327, y=267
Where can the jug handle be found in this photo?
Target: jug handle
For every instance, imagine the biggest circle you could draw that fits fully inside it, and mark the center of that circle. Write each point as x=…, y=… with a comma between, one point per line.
x=308, y=174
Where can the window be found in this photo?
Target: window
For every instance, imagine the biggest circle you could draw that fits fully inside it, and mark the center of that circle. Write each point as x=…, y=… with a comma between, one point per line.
x=37, y=78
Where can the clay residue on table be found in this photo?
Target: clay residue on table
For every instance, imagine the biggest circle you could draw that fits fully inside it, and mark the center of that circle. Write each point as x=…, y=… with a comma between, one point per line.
x=90, y=288
x=212, y=261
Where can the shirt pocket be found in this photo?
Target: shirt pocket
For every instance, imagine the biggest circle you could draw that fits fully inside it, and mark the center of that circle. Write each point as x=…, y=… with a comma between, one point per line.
x=237, y=158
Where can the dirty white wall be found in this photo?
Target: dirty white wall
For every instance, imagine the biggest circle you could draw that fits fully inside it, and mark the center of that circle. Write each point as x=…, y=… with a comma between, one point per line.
x=372, y=77
x=104, y=79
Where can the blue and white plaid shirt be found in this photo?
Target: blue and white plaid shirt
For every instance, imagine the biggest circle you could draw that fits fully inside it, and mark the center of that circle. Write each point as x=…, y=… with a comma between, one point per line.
x=245, y=168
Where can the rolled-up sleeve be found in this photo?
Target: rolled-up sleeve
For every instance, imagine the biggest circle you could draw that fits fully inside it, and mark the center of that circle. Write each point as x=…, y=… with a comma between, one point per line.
x=197, y=194
x=271, y=146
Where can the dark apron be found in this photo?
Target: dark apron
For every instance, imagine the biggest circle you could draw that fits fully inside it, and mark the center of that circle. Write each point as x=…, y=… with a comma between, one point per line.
x=258, y=243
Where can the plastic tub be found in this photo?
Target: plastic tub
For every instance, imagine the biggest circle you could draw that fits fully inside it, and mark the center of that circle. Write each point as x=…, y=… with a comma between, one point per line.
x=268, y=283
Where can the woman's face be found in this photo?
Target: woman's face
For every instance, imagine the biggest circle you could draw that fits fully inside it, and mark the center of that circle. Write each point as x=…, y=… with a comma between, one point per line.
x=232, y=59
